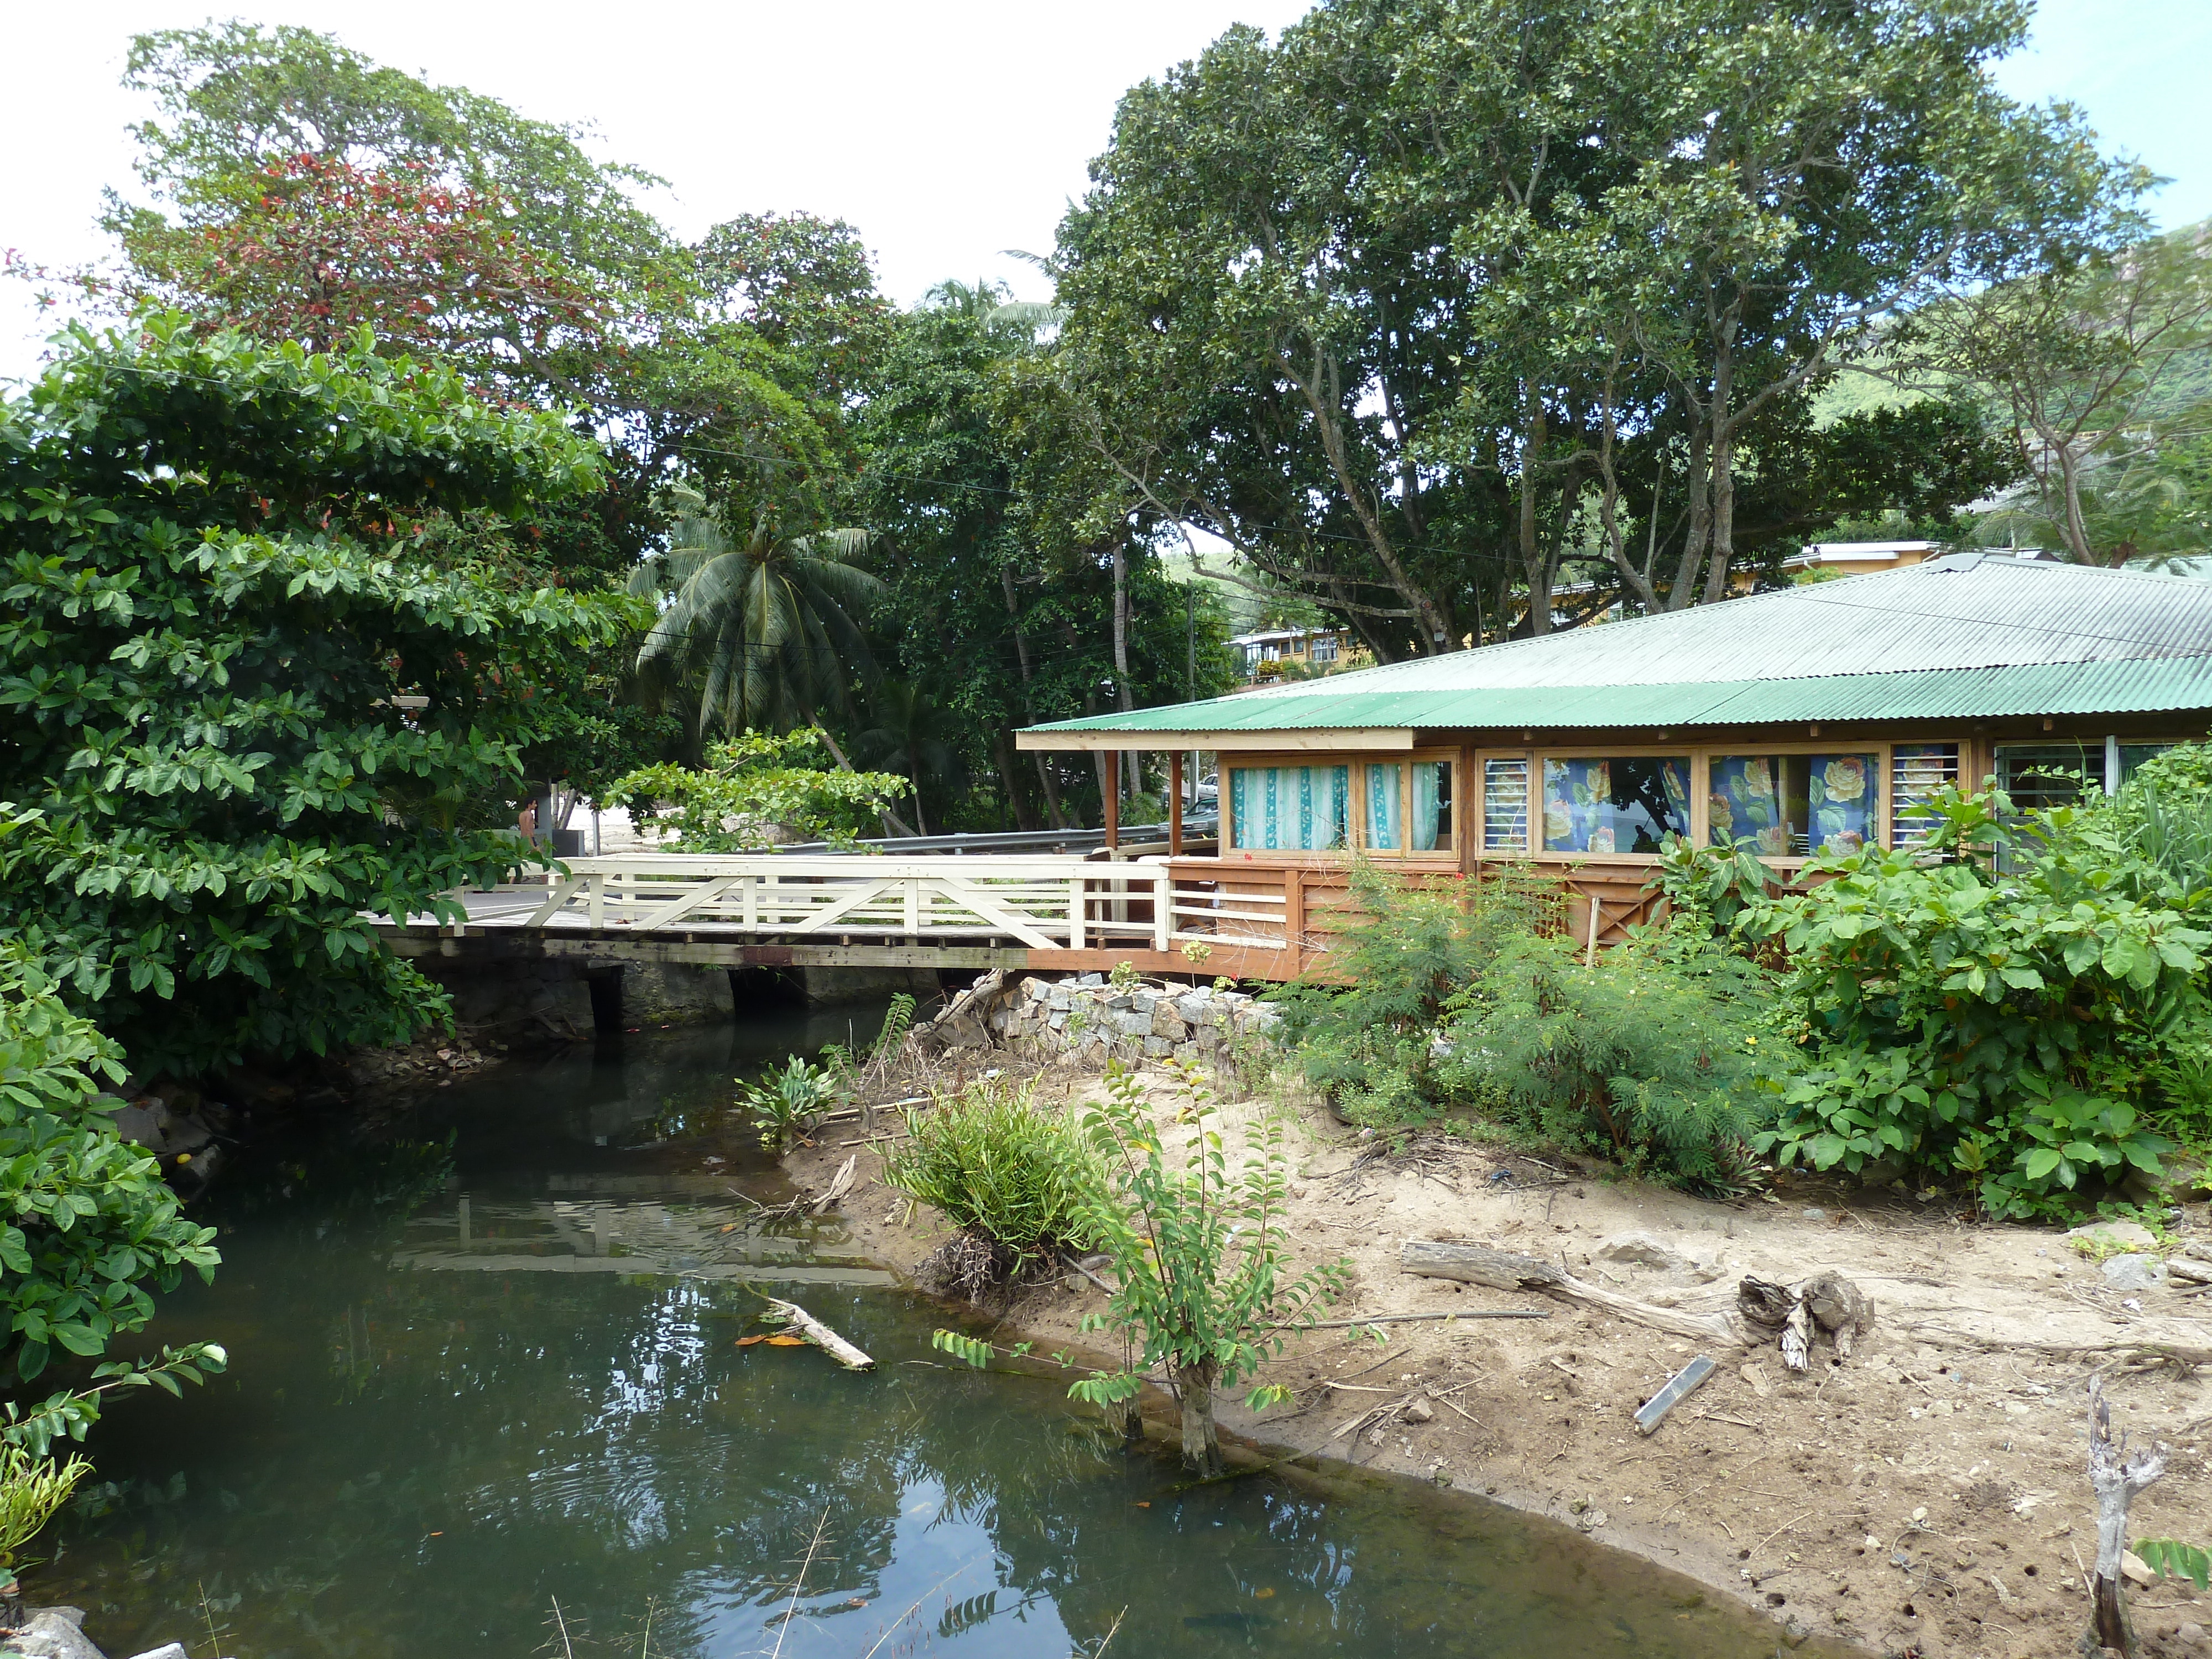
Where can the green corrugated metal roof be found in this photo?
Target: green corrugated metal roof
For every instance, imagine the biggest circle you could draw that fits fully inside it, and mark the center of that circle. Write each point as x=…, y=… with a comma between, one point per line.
x=2155, y=684
x=1967, y=637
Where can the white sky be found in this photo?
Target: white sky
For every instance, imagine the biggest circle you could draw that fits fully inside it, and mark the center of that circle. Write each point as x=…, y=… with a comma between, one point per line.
x=944, y=136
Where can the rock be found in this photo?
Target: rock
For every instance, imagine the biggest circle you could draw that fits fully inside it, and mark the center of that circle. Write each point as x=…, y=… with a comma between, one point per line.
x=2117, y=1235
x=1813, y=1212
x=1143, y=1001
x=52, y=1633
x=2191, y=1635
x=1419, y=1411
x=166, y=1650
x=2134, y=1272
x=1193, y=1008
x=186, y=1135
x=1089, y=982
x=1642, y=1250
x=1166, y=1021
x=135, y=1124
x=2196, y=1273
x=1157, y=1047
x=1059, y=1001
x=2136, y=1570
x=1130, y=1023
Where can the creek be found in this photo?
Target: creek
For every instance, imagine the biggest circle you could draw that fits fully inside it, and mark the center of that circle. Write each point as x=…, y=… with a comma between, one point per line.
x=484, y=1361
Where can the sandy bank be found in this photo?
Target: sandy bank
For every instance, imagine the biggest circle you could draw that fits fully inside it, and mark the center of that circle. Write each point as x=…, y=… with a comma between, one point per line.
x=1927, y=1497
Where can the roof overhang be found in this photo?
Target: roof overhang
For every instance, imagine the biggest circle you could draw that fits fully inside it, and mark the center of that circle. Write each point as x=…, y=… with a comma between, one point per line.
x=1334, y=737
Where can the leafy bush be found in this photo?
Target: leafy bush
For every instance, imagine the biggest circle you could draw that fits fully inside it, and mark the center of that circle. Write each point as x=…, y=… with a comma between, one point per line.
x=86, y=1222
x=1367, y=1038
x=1981, y=1005
x=1465, y=995
x=209, y=609
x=993, y=1164
x=756, y=790
x=1650, y=1055
x=1200, y=1258
x=785, y=1104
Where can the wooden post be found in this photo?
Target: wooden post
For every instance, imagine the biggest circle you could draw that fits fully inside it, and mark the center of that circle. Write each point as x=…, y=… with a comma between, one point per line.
x=1294, y=916
x=1175, y=804
x=1113, y=798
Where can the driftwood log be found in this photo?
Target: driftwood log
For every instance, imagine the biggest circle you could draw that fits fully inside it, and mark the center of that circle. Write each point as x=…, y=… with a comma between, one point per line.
x=1826, y=1302
x=790, y=1313
x=1502, y=1270
x=2118, y=1477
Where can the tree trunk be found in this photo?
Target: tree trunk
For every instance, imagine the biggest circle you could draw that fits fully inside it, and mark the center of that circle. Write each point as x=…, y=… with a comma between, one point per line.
x=1046, y=782
x=1532, y=561
x=1723, y=465
x=1201, y=1442
x=893, y=824
x=1124, y=692
x=1684, y=588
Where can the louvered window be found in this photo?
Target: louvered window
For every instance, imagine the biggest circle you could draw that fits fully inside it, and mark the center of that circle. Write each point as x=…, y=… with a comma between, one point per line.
x=1505, y=805
x=1916, y=774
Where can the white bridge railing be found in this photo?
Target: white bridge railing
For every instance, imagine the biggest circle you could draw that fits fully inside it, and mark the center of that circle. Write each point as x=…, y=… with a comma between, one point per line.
x=1048, y=903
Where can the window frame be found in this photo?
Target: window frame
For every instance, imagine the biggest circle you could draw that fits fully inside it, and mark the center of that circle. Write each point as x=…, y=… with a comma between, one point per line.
x=1446, y=857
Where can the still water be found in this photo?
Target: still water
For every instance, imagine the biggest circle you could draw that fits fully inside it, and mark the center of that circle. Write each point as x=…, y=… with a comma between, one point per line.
x=488, y=1364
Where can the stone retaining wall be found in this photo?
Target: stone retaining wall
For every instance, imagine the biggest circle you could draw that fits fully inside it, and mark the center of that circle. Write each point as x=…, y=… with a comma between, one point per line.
x=1089, y=1020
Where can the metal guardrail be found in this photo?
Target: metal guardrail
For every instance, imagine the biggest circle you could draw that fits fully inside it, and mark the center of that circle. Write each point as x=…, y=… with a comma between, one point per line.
x=1012, y=840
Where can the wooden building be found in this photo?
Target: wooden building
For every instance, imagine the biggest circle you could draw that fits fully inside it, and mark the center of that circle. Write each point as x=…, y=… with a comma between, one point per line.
x=1806, y=719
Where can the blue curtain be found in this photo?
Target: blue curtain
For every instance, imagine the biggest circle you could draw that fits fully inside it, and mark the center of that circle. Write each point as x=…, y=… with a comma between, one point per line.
x=1431, y=790
x=1289, y=808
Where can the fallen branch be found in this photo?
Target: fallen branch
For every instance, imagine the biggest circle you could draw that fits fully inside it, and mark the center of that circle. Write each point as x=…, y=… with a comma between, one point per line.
x=840, y=1184
x=1501, y=1270
x=790, y=1313
x=1415, y=1318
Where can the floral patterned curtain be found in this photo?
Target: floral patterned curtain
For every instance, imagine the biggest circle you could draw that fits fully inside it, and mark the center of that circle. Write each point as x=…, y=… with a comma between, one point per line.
x=1791, y=805
x=1625, y=804
x=1382, y=826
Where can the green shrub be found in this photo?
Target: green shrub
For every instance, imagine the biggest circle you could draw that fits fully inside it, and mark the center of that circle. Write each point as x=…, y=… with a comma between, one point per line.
x=785, y=1104
x=1201, y=1260
x=1983, y=1005
x=993, y=1166
x=1368, y=1037
x=1650, y=1055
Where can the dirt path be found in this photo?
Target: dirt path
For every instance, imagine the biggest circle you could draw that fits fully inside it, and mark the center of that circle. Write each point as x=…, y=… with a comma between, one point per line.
x=1928, y=1497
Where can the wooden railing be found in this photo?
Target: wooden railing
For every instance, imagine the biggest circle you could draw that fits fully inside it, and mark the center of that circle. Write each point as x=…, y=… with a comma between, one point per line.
x=1259, y=919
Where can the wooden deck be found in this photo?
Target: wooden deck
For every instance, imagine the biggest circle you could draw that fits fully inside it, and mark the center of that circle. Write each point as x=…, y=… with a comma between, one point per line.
x=1046, y=912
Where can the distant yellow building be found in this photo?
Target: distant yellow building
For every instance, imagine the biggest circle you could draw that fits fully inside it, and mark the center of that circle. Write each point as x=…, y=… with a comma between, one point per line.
x=1276, y=653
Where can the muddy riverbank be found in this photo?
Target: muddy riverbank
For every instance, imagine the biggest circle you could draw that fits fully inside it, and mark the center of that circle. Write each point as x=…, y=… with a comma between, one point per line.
x=1927, y=1497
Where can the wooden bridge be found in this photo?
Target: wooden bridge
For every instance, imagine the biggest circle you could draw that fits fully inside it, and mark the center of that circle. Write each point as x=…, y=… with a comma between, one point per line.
x=1051, y=912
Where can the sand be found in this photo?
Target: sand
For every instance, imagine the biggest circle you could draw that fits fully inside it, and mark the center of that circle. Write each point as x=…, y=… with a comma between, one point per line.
x=1926, y=1497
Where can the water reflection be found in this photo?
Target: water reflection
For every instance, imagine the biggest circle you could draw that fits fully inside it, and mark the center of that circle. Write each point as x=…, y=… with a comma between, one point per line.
x=519, y=1384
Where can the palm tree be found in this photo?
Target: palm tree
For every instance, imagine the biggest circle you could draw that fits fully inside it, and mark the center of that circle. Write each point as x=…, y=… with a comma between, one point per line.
x=767, y=631
x=905, y=734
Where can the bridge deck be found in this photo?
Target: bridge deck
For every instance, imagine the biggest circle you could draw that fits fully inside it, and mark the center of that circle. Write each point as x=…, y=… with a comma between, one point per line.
x=1053, y=913
x=1043, y=911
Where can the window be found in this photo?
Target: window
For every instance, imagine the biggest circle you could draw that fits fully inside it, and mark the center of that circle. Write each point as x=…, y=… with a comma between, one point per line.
x=1623, y=804
x=2133, y=755
x=1793, y=805
x=1289, y=808
x=1915, y=773
x=1505, y=805
x=1324, y=649
x=2041, y=774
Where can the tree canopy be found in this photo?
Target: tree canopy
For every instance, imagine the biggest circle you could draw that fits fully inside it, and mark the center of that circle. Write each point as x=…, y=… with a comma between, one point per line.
x=213, y=615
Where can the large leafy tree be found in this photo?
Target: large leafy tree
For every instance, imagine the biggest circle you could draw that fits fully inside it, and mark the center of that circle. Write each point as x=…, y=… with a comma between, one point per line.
x=1397, y=304
x=211, y=616
x=1019, y=549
